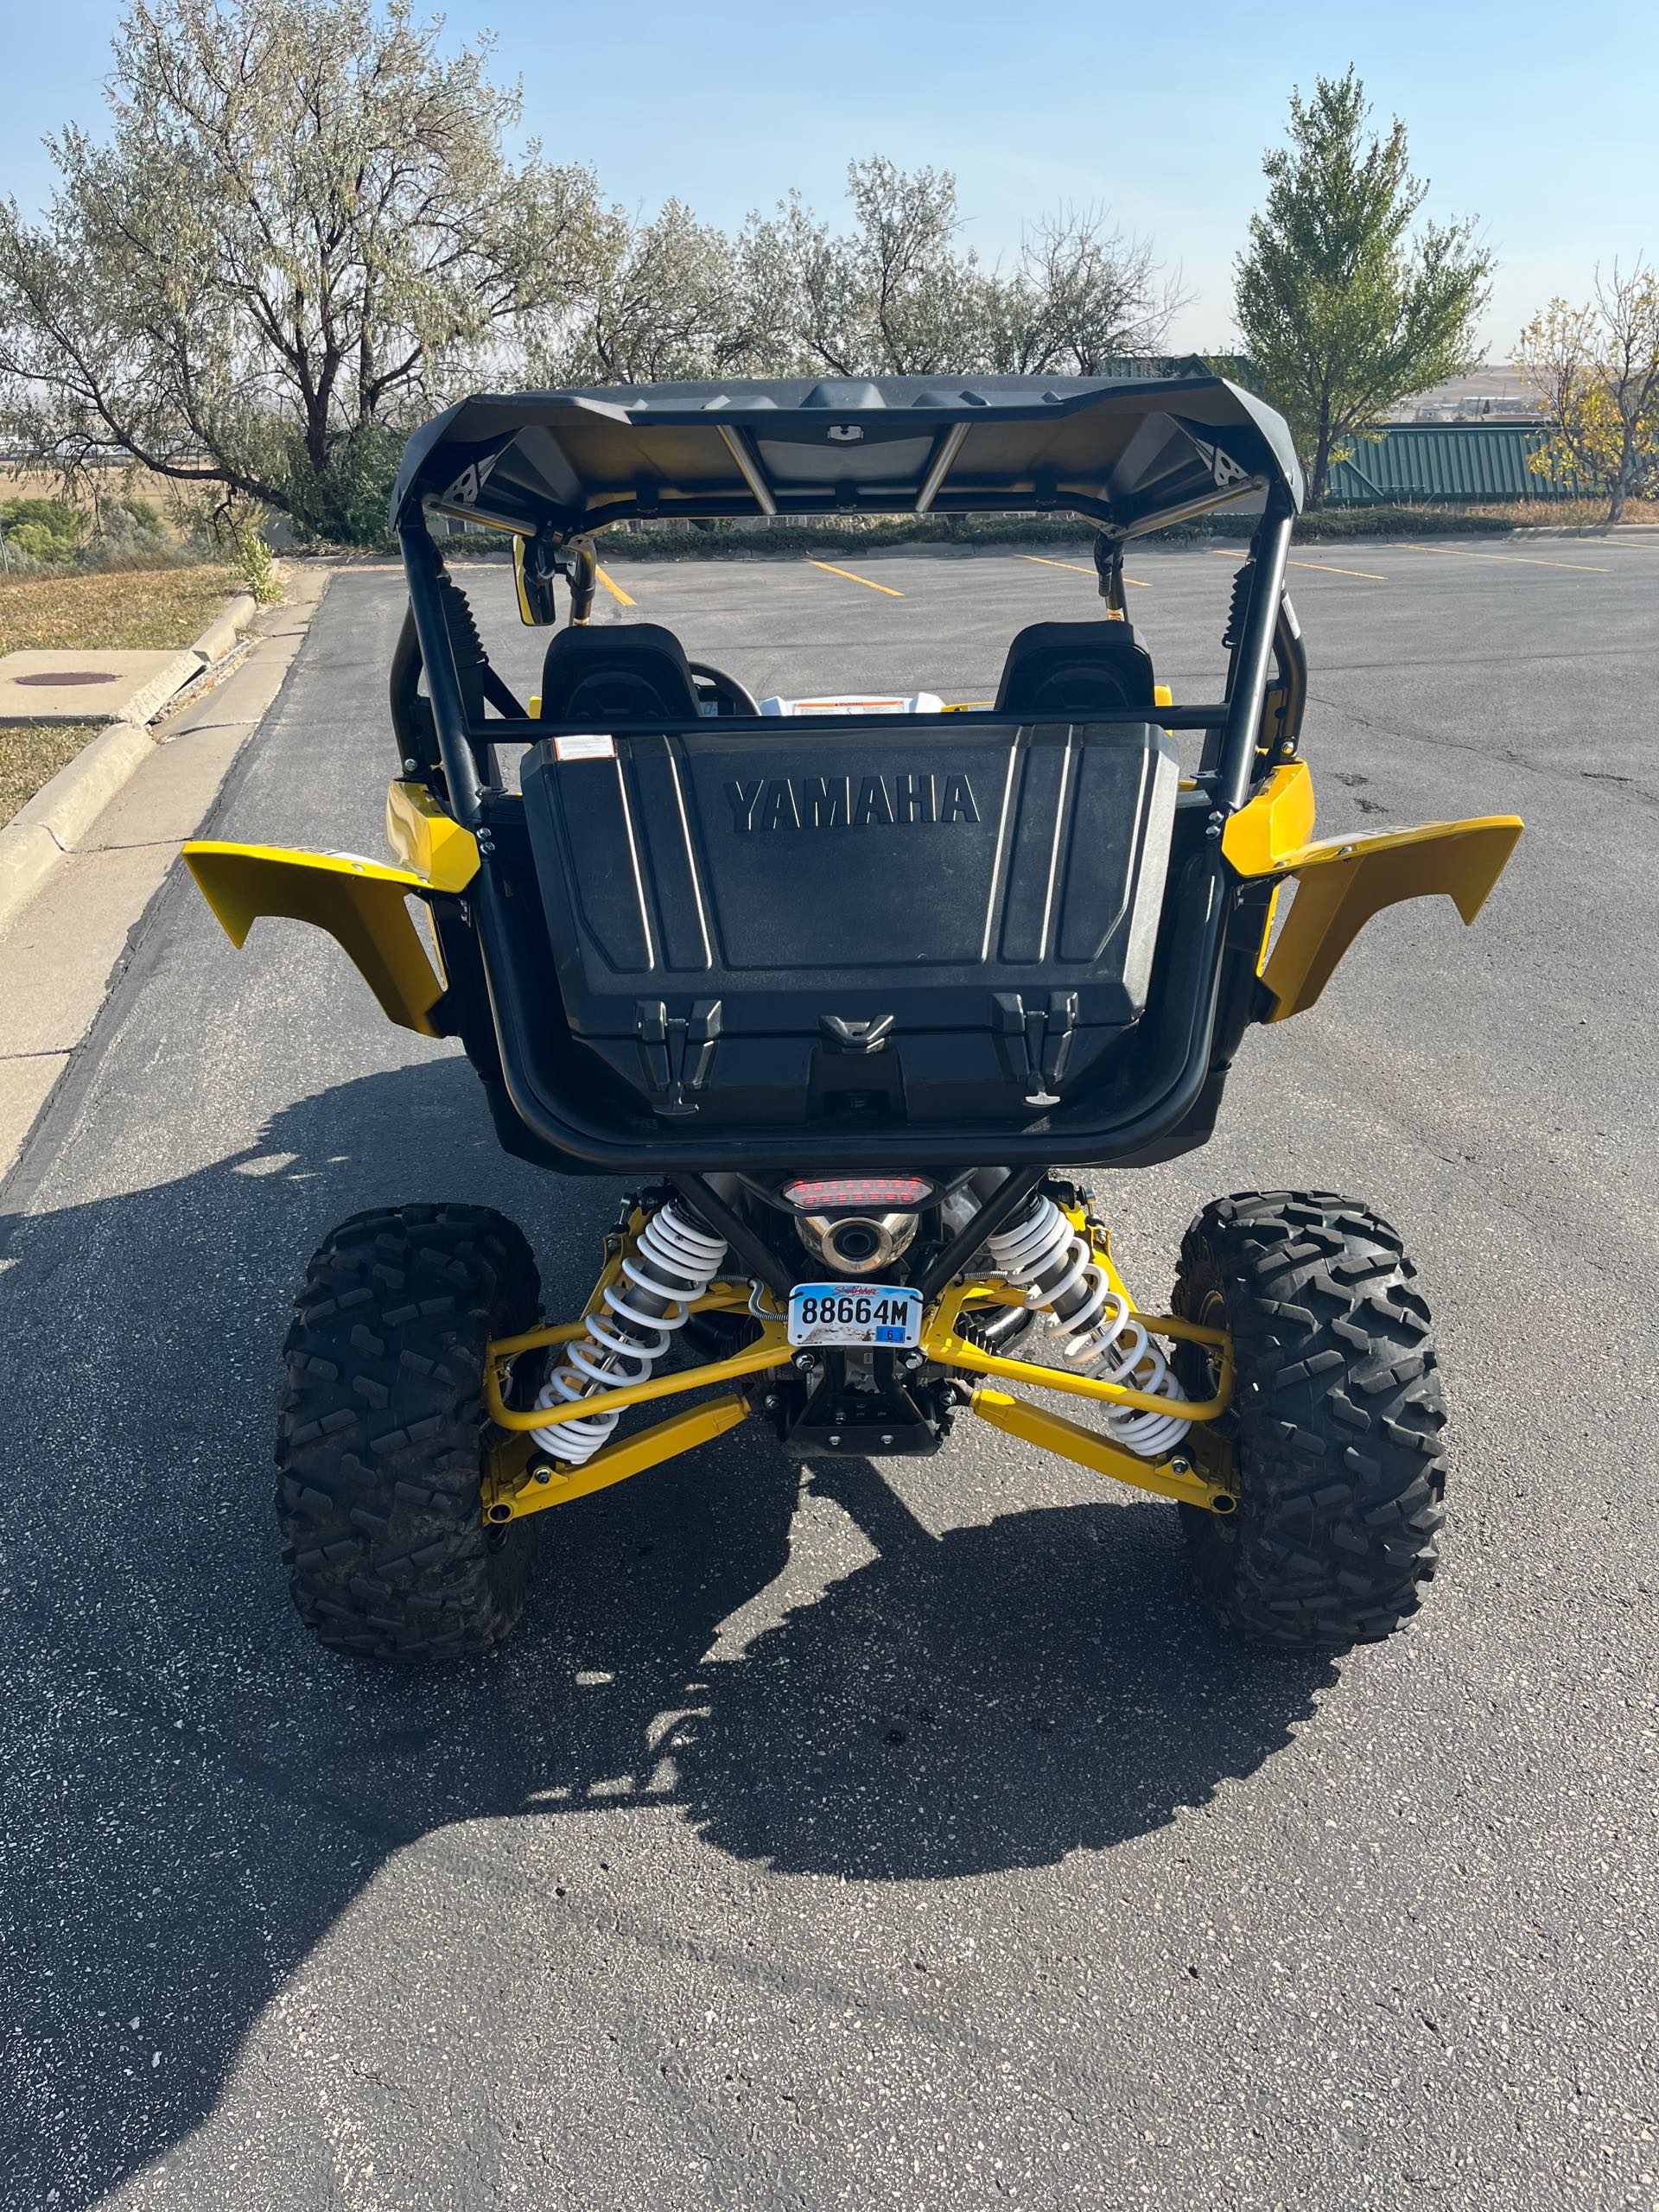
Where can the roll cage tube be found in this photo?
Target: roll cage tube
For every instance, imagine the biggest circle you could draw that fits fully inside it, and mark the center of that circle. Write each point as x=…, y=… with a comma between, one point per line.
x=1268, y=629
x=1290, y=655
x=1179, y=1067
x=457, y=748
x=1284, y=700
x=1248, y=687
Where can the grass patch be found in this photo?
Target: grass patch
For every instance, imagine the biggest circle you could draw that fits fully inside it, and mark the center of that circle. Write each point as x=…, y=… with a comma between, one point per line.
x=1568, y=514
x=29, y=757
x=1334, y=524
x=137, y=610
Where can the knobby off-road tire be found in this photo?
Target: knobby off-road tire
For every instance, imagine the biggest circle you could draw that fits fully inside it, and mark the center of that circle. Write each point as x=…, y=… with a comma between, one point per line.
x=1336, y=1424
x=382, y=1433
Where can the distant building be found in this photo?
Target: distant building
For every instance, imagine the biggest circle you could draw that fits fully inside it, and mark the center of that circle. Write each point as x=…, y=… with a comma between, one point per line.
x=1497, y=392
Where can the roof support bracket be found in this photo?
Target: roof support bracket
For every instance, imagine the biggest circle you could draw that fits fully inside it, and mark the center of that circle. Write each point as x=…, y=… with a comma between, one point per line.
x=938, y=466
x=742, y=452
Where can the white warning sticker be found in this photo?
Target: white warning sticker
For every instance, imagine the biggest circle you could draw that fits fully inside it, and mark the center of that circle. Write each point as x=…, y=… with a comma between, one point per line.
x=584, y=748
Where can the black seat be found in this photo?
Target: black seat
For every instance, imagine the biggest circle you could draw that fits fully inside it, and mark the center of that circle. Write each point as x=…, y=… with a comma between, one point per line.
x=635, y=672
x=1075, y=669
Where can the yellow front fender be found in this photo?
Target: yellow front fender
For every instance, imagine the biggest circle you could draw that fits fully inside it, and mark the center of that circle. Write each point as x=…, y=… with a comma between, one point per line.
x=359, y=903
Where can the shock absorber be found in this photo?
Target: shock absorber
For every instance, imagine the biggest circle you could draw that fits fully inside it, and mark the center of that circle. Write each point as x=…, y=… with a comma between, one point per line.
x=672, y=1264
x=1046, y=1258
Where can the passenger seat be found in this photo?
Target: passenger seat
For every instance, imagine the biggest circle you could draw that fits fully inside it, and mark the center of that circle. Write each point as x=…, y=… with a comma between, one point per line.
x=1071, y=670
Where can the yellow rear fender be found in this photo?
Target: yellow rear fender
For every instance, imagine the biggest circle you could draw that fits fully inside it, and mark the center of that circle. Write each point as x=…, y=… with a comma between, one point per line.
x=427, y=840
x=1342, y=881
x=359, y=903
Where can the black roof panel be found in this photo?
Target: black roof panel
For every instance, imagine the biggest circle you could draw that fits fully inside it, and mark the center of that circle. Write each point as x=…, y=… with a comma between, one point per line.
x=1131, y=453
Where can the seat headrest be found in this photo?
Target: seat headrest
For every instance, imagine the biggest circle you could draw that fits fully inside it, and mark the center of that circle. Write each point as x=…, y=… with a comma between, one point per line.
x=1072, y=668
x=636, y=672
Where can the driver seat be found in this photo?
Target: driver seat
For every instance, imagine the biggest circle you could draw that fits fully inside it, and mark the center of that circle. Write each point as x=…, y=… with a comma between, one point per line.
x=1071, y=669
x=637, y=672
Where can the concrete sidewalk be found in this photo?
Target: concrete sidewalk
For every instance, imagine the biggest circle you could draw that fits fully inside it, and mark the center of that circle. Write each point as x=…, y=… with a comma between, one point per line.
x=61, y=954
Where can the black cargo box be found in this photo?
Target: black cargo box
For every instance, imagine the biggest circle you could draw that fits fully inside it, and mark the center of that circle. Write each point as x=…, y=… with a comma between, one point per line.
x=770, y=921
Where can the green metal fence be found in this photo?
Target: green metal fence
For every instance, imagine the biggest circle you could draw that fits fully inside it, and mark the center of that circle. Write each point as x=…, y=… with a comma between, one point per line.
x=1428, y=461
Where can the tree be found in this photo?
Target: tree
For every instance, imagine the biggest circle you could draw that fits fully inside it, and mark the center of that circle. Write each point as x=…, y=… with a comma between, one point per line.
x=1598, y=369
x=1342, y=308
x=1081, y=297
x=302, y=233
x=672, y=298
x=893, y=295
x=897, y=295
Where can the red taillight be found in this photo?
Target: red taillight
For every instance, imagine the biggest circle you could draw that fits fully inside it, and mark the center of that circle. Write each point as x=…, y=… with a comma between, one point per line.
x=823, y=1194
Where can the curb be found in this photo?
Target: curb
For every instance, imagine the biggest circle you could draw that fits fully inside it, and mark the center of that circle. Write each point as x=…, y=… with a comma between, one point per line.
x=220, y=637
x=44, y=829
x=87, y=860
x=166, y=684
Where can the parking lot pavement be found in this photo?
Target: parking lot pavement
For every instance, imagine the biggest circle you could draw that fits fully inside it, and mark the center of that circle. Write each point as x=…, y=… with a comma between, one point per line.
x=903, y=1838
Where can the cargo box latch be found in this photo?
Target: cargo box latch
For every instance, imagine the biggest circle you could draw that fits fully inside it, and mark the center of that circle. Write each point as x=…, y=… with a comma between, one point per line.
x=850, y=1036
x=676, y=1051
x=1036, y=1040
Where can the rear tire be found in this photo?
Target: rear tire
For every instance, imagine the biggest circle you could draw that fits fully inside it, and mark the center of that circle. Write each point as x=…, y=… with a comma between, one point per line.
x=383, y=1434
x=1336, y=1425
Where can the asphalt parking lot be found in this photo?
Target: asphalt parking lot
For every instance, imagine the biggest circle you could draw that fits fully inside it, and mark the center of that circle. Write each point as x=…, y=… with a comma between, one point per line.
x=906, y=1838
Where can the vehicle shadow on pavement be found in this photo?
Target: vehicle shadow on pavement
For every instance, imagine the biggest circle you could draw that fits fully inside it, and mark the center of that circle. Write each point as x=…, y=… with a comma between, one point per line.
x=994, y=1698
x=199, y=1793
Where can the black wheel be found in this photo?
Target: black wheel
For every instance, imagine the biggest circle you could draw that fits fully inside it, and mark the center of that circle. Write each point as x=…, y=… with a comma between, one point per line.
x=1336, y=1426
x=383, y=1434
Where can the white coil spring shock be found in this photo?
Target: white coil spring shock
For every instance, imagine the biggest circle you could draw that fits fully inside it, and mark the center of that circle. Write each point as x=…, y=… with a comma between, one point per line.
x=673, y=1263
x=1046, y=1258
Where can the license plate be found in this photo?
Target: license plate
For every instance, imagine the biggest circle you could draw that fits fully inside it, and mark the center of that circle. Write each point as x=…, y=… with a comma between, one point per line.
x=855, y=1313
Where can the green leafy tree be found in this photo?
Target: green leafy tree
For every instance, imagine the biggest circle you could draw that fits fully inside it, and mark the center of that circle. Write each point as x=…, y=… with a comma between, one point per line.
x=302, y=233
x=1598, y=369
x=43, y=531
x=1344, y=307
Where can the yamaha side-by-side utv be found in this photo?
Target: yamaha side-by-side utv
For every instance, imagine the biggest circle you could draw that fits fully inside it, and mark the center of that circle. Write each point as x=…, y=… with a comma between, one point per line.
x=850, y=988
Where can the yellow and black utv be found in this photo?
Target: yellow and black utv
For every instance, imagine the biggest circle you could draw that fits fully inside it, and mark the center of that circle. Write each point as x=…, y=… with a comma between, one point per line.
x=849, y=988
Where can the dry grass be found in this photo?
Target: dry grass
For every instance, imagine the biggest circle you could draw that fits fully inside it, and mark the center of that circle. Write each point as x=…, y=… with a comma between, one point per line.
x=136, y=609
x=112, y=482
x=29, y=757
x=1566, y=514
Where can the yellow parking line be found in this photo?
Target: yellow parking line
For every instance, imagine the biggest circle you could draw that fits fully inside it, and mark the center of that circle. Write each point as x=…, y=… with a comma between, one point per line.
x=1328, y=568
x=1077, y=570
x=1514, y=560
x=614, y=589
x=1331, y=569
x=829, y=569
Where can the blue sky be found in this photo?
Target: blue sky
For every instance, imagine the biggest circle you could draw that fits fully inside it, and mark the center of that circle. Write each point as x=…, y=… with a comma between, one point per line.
x=1539, y=120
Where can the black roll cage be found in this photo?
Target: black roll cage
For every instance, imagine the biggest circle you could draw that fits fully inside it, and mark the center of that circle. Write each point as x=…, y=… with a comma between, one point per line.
x=450, y=742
